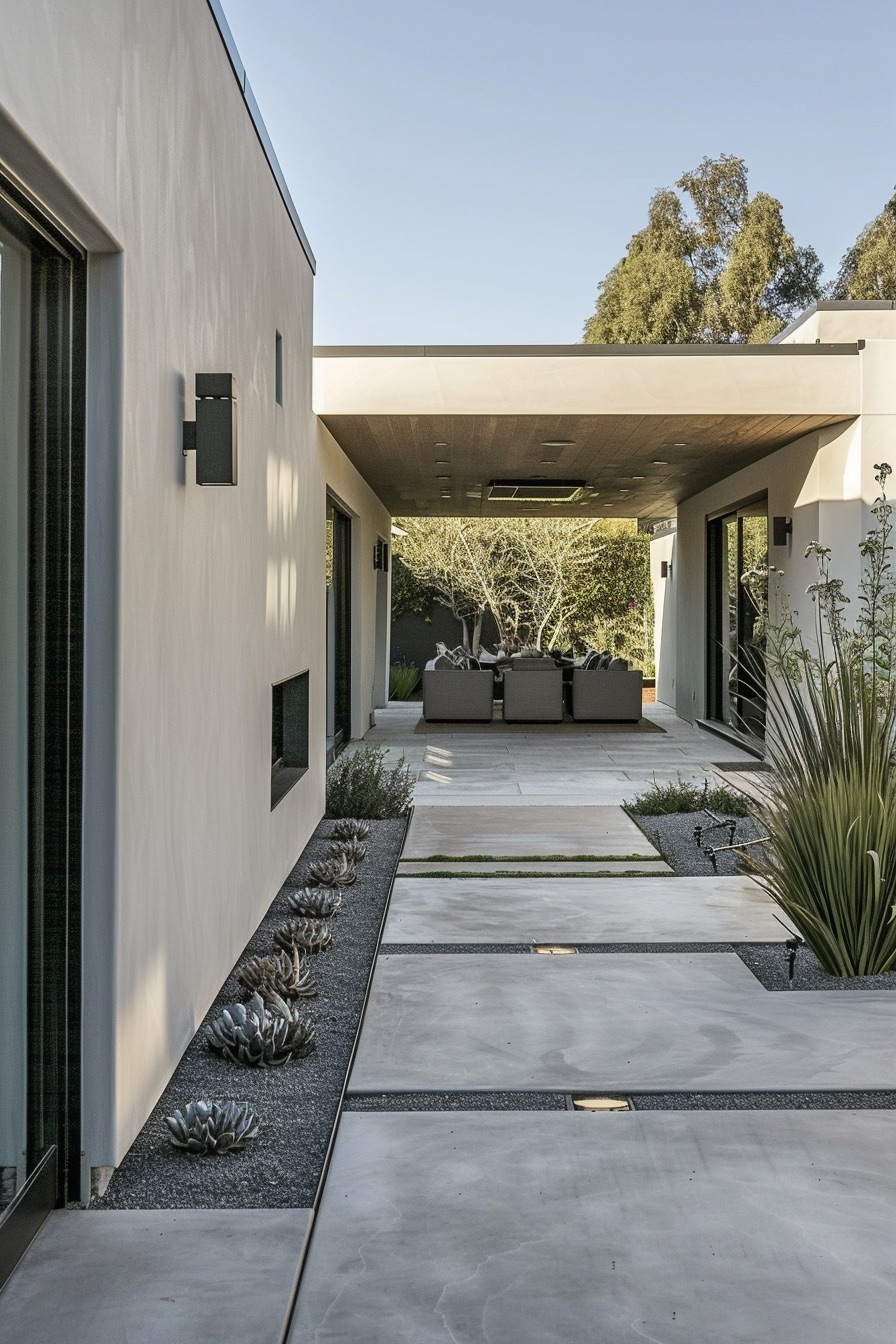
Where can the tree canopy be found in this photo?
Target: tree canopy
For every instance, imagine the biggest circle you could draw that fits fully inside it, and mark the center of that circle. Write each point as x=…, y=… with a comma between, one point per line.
x=724, y=271
x=868, y=269
x=551, y=582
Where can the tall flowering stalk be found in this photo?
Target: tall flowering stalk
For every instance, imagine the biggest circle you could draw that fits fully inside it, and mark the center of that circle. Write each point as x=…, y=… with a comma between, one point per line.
x=831, y=817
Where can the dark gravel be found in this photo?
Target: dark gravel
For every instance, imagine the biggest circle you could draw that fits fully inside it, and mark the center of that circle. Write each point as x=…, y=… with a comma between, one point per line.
x=763, y=1101
x=456, y=1101
x=297, y=1103
x=768, y=962
x=673, y=836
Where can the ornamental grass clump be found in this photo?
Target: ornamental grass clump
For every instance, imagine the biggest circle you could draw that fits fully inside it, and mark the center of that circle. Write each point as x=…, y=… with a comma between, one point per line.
x=830, y=863
x=679, y=795
x=361, y=785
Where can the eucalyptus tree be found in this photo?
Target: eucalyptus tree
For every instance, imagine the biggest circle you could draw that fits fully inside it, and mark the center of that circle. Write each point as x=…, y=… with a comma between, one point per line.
x=712, y=265
x=868, y=269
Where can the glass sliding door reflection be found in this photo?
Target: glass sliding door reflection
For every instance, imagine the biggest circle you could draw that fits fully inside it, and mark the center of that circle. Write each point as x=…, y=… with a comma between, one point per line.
x=339, y=649
x=15, y=279
x=737, y=545
x=41, y=719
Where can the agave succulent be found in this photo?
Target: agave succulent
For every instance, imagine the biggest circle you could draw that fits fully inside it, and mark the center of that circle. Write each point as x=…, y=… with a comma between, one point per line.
x=212, y=1126
x=309, y=935
x=319, y=902
x=350, y=828
x=282, y=973
x=354, y=850
x=262, y=1036
x=335, y=872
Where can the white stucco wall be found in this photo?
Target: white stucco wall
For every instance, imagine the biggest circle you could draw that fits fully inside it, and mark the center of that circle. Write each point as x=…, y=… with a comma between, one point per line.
x=824, y=482
x=126, y=120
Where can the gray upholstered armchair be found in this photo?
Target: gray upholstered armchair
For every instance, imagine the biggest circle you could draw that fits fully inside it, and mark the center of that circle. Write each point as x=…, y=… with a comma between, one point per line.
x=606, y=695
x=458, y=693
x=533, y=696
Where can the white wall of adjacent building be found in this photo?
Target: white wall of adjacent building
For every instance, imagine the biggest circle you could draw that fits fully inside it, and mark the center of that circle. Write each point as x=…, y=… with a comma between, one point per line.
x=824, y=482
x=127, y=124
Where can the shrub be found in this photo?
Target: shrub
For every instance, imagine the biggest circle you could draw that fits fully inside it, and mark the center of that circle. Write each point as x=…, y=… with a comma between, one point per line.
x=831, y=814
x=403, y=680
x=680, y=796
x=361, y=785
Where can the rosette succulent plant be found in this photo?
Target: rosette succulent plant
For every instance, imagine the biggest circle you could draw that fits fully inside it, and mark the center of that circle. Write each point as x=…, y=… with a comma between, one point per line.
x=350, y=828
x=338, y=871
x=259, y=1035
x=319, y=902
x=308, y=935
x=282, y=974
x=212, y=1126
x=353, y=850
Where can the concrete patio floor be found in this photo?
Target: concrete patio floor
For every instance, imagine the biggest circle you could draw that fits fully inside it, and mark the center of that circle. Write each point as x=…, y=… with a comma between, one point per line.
x=515, y=1227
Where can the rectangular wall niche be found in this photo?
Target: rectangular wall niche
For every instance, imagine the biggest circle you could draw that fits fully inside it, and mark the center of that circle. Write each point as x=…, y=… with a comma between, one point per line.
x=289, y=735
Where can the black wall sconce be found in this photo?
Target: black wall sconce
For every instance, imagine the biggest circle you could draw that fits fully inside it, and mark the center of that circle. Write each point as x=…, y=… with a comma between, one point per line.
x=212, y=435
x=781, y=530
x=381, y=556
x=665, y=569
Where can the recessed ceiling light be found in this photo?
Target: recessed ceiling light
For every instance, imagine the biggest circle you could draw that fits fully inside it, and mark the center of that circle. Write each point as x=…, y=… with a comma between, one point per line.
x=679, y=445
x=446, y=494
x=658, y=462
x=639, y=478
x=442, y=445
x=549, y=461
x=558, y=443
x=554, y=949
x=441, y=464
x=474, y=494
x=625, y=492
x=443, y=478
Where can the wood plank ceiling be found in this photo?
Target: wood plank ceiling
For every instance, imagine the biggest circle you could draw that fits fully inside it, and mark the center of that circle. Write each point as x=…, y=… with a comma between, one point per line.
x=637, y=466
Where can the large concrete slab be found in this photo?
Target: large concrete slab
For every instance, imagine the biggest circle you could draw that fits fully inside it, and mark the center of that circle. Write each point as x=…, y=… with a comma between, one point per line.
x=502, y=832
x=613, y=1020
x=210, y=1277
x=712, y=1228
x=583, y=910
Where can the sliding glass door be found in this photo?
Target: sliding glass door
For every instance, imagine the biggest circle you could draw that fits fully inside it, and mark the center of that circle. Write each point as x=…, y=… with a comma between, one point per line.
x=339, y=639
x=736, y=544
x=41, y=587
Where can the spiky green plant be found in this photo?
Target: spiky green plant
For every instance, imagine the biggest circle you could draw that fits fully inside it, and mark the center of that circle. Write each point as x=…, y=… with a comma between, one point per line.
x=831, y=813
x=282, y=974
x=260, y=1035
x=212, y=1126
x=308, y=935
x=337, y=871
x=354, y=850
x=403, y=680
x=316, y=902
x=350, y=828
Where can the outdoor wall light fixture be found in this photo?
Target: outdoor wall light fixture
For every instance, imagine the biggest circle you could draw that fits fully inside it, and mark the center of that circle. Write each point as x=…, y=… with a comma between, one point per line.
x=782, y=528
x=212, y=435
x=381, y=555
x=665, y=569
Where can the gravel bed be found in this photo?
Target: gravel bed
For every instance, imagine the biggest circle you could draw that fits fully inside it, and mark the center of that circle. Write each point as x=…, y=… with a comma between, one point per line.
x=456, y=1101
x=673, y=836
x=768, y=962
x=297, y=1103
x=763, y=1101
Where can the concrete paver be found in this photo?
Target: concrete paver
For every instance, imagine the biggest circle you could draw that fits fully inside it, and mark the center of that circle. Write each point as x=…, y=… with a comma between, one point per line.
x=150, y=1277
x=598, y=831
x=605, y=910
x=707, y=1228
x=622, y=1020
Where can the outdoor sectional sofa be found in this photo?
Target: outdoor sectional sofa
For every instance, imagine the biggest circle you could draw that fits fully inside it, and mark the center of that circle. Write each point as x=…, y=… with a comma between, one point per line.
x=458, y=693
x=607, y=695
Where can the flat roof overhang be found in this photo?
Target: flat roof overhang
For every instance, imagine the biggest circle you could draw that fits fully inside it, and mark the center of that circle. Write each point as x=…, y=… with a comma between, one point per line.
x=644, y=426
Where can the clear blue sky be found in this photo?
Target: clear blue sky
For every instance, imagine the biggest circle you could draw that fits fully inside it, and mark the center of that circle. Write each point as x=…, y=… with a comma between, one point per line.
x=468, y=170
